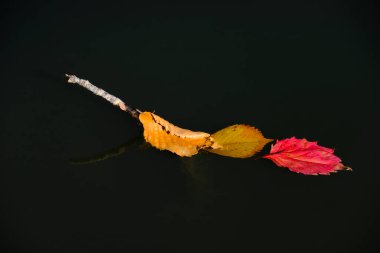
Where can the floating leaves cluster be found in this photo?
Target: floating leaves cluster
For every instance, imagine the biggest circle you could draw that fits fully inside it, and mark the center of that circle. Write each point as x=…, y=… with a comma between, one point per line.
x=238, y=141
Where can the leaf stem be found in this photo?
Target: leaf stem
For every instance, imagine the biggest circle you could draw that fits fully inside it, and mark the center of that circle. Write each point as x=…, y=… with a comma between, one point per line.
x=100, y=92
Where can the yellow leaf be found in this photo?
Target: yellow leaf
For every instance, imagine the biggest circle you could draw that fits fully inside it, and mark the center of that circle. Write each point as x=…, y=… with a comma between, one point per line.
x=239, y=141
x=166, y=136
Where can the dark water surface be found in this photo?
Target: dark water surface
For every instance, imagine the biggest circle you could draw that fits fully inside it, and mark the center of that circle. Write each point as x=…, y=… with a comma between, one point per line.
x=309, y=70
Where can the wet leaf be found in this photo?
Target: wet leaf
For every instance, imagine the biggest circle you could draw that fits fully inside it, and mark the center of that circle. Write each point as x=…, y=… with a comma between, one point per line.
x=239, y=141
x=166, y=136
x=302, y=156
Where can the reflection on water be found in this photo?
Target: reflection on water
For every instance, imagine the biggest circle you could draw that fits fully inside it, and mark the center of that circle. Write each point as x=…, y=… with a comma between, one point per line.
x=199, y=183
x=201, y=192
x=113, y=152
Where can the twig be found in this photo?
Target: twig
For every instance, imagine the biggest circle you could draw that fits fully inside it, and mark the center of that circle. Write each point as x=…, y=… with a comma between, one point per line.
x=100, y=92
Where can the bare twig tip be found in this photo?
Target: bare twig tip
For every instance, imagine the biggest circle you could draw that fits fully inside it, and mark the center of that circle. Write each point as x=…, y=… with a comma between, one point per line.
x=72, y=78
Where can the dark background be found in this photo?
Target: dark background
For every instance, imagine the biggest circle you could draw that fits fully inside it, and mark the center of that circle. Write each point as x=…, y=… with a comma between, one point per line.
x=291, y=68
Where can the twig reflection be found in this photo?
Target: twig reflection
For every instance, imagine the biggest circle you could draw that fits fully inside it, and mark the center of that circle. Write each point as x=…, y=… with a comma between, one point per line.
x=113, y=152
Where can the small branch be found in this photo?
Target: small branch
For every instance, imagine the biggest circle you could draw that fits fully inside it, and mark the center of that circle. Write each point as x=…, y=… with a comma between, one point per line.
x=100, y=92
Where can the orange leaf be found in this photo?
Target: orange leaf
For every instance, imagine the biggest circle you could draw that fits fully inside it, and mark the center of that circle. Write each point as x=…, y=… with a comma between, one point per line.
x=166, y=136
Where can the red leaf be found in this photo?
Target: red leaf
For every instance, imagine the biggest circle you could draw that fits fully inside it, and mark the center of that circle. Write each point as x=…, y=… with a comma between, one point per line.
x=302, y=156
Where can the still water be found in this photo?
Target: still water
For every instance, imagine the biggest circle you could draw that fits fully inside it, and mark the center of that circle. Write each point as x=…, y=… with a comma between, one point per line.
x=77, y=176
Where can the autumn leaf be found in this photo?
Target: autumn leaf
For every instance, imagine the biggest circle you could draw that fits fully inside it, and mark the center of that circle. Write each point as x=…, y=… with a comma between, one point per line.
x=166, y=136
x=302, y=156
x=239, y=141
